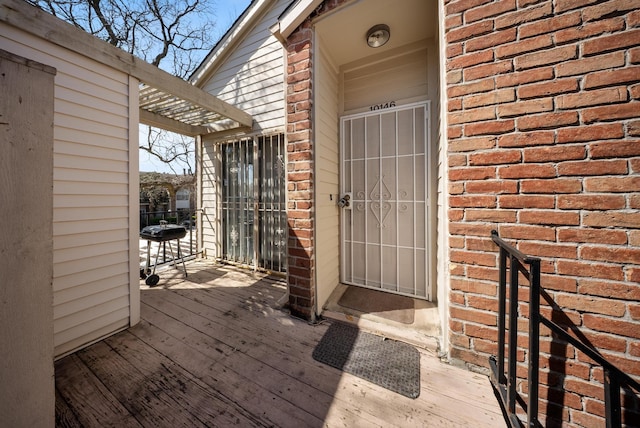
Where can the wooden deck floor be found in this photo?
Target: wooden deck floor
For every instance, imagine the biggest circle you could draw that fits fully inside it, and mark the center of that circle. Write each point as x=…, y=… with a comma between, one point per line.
x=213, y=350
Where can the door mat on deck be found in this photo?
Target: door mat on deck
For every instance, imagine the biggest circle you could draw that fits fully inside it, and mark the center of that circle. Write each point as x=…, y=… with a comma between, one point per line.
x=385, y=305
x=390, y=364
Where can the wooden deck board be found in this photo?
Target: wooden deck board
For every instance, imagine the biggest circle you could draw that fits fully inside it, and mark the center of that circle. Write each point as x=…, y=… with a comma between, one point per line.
x=264, y=360
x=80, y=392
x=229, y=383
x=310, y=386
x=207, y=404
x=214, y=350
x=224, y=375
x=65, y=417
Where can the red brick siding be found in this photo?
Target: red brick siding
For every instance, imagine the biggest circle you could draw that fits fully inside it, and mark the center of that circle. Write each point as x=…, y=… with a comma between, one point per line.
x=300, y=168
x=544, y=119
x=300, y=187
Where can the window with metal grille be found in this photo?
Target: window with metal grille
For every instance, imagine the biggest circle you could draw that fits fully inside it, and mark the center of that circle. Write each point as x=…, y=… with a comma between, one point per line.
x=253, y=206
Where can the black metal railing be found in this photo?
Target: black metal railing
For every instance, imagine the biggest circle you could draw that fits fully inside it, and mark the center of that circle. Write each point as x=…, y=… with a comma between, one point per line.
x=186, y=218
x=512, y=264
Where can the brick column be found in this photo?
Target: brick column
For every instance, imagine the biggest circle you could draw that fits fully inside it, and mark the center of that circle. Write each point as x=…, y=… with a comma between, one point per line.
x=300, y=179
x=300, y=190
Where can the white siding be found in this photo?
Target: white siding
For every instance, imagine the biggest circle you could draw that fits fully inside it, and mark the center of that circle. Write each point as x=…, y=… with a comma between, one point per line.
x=91, y=192
x=437, y=141
x=210, y=179
x=251, y=77
x=327, y=233
x=401, y=77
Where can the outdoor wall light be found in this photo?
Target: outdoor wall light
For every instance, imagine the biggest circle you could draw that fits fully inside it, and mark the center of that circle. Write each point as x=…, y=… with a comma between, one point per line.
x=378, y=35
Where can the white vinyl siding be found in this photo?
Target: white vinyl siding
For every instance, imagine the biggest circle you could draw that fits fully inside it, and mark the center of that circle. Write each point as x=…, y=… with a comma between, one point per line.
x=210, y=180
x=251, y=77
x=402, y=76
x=91, y=192
x=327, y=172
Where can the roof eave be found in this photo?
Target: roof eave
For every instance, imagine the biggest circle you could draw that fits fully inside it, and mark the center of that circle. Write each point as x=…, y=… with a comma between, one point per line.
x=229, y=41
x=293, y=17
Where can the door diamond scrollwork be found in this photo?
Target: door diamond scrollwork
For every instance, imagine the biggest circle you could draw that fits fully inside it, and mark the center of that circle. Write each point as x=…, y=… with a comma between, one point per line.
x=380, y=190
x=380, y=208
x=380, y=212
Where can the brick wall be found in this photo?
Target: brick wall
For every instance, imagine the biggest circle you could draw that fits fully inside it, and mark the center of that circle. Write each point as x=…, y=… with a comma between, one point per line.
x=301, y=268
x=543, y=140
x=300, y=190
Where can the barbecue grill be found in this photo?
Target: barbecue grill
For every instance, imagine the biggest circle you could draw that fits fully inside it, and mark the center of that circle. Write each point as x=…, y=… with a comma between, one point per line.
x=165, y=233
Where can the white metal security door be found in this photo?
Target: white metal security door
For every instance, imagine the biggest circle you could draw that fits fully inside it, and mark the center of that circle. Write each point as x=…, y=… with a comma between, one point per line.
x=385, y=182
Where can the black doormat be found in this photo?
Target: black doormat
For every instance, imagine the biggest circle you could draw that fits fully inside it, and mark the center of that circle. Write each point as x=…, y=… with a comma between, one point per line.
x=388, y=363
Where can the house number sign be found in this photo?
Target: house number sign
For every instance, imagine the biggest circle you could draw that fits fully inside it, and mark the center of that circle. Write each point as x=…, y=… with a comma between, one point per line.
x=382, y=106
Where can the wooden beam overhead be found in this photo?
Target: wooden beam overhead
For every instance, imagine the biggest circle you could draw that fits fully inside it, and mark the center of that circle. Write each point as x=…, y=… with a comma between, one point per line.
x=163, y=122
x=28, y=18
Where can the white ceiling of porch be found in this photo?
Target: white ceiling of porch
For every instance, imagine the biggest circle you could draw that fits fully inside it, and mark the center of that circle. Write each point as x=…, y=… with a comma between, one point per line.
x=344, y=32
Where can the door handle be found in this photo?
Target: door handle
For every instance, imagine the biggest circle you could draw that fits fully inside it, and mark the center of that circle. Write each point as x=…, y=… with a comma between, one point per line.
x=345, y=201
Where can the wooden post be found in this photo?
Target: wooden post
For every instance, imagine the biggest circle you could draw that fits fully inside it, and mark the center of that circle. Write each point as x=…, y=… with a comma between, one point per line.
x=26, y=246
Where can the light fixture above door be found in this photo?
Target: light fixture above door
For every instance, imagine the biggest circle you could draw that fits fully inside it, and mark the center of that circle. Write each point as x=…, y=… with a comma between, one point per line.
x=378, y=35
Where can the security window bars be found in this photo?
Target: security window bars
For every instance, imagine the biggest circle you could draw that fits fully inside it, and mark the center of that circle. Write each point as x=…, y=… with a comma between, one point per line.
x=254, y=221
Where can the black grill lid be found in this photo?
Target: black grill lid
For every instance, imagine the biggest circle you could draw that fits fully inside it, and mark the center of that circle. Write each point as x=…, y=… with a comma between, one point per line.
x=163, y=233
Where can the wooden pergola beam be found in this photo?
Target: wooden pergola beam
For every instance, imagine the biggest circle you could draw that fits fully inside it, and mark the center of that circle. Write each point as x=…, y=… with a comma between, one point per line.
x=162, y=122
x=22, y=15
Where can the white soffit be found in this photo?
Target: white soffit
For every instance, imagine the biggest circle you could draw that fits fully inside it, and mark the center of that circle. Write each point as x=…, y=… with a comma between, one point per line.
x=344, y=33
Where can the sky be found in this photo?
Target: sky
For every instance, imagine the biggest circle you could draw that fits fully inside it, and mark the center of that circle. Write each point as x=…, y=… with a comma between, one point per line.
x=226, y=12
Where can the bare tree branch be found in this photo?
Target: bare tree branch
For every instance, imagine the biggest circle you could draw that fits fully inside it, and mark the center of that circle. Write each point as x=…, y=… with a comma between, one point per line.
x=172, y=34
x=172, y=149
x=113, y=38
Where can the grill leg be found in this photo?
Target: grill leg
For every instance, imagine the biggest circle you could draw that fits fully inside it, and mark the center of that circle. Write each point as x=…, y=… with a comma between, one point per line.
x=173, y=257
x=146, y=268
x=157, y=255
x=184, y=267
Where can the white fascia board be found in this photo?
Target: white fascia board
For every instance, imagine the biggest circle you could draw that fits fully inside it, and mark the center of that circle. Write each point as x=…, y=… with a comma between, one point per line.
x=294, y=17
x=229, y=40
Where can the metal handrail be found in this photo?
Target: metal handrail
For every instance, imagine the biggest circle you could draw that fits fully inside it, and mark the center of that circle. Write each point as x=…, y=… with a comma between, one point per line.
x=505, y=386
